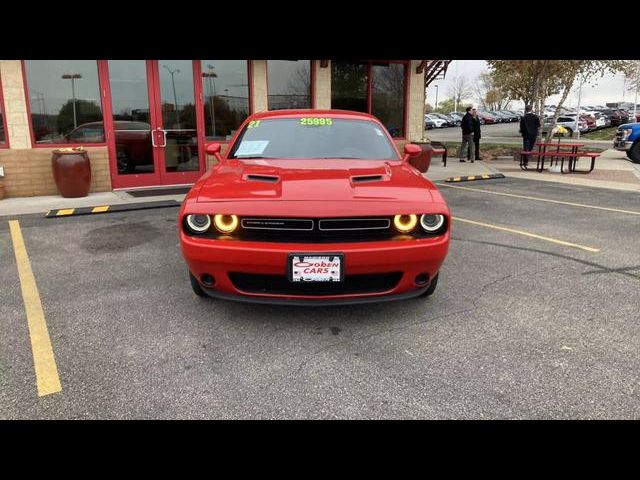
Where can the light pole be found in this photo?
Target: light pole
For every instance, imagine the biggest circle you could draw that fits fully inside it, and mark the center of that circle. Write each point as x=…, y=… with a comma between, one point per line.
x=436, y=97
x=175, y=98
x=72, y=77
x=578, y=109
x=211, y=75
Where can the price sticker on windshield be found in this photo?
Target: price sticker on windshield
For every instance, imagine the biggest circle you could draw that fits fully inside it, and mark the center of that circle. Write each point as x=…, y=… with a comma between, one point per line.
x=254, y=124
x=316, y=121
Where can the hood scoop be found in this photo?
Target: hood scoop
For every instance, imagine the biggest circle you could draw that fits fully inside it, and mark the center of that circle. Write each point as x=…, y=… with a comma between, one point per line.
x=356, y=179
x=252, y=177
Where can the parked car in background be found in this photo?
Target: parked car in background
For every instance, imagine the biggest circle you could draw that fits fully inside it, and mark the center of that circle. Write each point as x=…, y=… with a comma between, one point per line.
x=569, y=123
x=450, y=122
x=429, y=124
x=457, y=117
x=615, y=118
x=486, y=117
x=590, y=121
x=438, y=122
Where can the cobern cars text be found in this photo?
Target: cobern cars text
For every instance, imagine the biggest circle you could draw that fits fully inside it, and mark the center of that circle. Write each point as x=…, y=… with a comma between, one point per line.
x=313, y=207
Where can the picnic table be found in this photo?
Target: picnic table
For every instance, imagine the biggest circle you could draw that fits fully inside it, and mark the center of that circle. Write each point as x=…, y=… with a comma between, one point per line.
x=558, y=152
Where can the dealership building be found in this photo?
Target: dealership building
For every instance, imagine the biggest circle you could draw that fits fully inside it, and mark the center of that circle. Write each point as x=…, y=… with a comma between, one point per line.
x=146, y=122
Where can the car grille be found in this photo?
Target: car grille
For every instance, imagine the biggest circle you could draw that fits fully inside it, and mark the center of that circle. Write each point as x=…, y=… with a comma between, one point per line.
x=280, y=284
x=317, y=230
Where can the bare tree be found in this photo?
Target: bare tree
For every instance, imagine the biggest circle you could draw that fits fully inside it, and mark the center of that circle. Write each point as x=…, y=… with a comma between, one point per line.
x=488, y=94
x=460, y=89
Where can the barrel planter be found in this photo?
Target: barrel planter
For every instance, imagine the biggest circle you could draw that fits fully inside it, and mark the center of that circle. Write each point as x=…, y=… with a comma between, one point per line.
x=71, y=172
x=422, y=161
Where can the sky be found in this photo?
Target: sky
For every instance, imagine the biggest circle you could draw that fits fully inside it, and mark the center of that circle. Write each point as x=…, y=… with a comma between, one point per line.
x=609, y=88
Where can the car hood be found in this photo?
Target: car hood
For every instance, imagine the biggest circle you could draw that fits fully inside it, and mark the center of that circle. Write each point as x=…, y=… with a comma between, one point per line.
x=313, y=180
x=627, y=126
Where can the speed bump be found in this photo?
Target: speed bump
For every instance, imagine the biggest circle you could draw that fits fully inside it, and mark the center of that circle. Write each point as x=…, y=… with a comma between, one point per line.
x=475, y=177
x=124, y=207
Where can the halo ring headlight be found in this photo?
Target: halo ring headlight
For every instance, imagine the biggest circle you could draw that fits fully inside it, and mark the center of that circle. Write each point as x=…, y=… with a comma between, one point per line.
x=405, y=223
x=199, y=223
x=226, y=223
x=431, y=223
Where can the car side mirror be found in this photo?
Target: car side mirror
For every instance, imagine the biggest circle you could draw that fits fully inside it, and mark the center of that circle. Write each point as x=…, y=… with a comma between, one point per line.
x=411, y=150
x=214, y=149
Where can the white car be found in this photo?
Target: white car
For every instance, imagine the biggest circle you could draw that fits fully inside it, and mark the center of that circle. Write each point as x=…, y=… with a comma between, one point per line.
x=440, y=122
x=567, y=122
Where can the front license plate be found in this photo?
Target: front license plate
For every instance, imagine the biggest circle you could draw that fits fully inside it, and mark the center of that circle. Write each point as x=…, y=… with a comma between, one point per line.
x=327, y=267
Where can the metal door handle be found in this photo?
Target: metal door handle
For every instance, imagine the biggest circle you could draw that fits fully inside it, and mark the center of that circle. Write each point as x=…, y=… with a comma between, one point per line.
x=153, y=136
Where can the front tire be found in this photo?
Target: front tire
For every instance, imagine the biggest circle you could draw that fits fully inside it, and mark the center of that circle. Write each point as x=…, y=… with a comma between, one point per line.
x=432, y=286
x=634, y=153
x=195, y=286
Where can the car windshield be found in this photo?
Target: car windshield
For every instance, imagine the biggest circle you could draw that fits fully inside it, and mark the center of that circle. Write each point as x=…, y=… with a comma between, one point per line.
x=313, y=137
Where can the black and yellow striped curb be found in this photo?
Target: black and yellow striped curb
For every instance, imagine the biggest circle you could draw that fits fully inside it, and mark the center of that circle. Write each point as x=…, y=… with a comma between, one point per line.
x=475, y=177
x=123, y=207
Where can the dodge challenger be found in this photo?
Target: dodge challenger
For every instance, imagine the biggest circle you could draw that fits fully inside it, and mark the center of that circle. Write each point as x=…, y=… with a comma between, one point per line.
x=313, y=207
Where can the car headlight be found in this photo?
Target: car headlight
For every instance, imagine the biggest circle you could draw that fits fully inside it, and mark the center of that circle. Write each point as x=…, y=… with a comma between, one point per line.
x=198, y=223
x=431, y=223
x=626, y=133
x=225, y=223
x=405, y=223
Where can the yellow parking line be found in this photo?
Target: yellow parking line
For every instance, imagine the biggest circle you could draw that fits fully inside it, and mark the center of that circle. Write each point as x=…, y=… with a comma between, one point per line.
x=100, y=209
x=527, y=234
x=539, y=199
x=44, y=362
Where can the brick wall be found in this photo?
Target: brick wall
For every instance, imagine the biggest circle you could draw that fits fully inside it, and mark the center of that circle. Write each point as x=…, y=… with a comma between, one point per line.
x=14, y=104
x=322, y=85
x=415, y=114
x=259, y=85
x=28, y=171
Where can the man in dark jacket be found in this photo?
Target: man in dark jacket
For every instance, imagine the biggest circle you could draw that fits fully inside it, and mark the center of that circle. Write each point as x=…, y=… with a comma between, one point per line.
x=476, y=134
x=529, y=125
x=467, y=136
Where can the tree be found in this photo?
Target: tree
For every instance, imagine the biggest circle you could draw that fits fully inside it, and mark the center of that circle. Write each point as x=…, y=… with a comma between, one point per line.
x=86, y=111
x=459, y=89
x=488, y=94
x=632, y=80
x=533, y=81
x=447, y=105
x=428, y=108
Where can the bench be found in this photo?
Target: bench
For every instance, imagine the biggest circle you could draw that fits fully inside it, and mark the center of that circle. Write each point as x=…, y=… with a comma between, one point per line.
x=571, y=157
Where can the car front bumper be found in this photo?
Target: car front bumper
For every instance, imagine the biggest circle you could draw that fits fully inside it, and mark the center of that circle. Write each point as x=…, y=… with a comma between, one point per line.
x=228, y=260
x=622, y=145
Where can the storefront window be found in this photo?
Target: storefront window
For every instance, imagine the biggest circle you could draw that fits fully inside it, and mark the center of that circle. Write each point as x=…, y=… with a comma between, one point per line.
x=64, y=98
x=289, y=84
x=378, y=88
x=225, y=85
x=350, y=86
x=387, y=96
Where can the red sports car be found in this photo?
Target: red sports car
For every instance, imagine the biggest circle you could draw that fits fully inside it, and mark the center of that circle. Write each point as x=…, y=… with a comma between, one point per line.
x=313, y=207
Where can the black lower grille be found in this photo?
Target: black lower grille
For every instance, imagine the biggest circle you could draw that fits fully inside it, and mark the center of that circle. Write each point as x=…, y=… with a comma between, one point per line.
x=280, y=284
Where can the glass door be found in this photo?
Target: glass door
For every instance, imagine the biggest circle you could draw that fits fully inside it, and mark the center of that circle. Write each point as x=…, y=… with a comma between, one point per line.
x=180, y=156
x=151, y=123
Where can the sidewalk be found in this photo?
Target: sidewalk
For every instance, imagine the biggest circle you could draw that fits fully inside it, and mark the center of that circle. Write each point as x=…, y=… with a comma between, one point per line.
x=31, y=205
x=613, y=170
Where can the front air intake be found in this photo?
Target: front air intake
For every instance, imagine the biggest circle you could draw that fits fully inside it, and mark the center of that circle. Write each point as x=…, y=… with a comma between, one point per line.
x=367, y=178
x=262, y=178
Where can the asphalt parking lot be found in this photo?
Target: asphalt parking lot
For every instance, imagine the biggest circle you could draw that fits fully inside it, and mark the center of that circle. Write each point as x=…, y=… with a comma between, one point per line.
x=536, y=321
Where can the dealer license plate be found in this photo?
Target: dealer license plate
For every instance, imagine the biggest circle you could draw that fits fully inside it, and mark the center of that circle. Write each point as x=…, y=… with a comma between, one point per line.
x=316, y=268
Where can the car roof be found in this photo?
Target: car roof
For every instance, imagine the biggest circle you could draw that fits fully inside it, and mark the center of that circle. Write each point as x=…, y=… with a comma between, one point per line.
x=310, y=112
